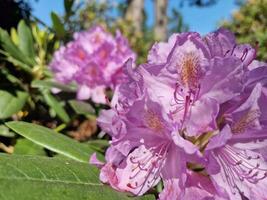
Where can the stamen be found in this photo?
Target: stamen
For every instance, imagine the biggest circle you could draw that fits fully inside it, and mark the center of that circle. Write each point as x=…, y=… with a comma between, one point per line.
x=247, y=121
x=190, y=70
x=233, y=50
x=184, y=100
x=151, y=162
x=153, y=121
x=232, y=53
x=187, y=104
x=244, y=55
x=228, y=51
x=238, y=167
x=179, y=95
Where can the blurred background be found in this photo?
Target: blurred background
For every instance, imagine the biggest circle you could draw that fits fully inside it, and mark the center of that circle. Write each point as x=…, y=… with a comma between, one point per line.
x=144, y=21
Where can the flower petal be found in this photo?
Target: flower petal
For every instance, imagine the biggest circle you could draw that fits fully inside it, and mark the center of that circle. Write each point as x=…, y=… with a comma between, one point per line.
x=141, y=171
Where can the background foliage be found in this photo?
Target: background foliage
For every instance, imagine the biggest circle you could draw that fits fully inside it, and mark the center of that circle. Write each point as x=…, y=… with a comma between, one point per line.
x=249, y=25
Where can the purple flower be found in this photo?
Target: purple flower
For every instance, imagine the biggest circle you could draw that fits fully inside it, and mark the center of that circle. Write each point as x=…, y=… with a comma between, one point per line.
x=191, y=80
x=235, y=165
x=193, y=116
x=197, y=187
x=94, y=61
x=222, y=43
x=148, y=155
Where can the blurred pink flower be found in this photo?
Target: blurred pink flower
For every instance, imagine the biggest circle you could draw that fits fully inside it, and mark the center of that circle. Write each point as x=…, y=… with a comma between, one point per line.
x=94, y=61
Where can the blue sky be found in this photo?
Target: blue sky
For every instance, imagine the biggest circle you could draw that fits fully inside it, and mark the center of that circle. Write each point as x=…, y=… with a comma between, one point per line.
x=202, y=20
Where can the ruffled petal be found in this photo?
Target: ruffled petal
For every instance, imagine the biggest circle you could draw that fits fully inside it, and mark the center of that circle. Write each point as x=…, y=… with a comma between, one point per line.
x=223, y=80
x=220, y=139
x=202, y=117
x=220, y=42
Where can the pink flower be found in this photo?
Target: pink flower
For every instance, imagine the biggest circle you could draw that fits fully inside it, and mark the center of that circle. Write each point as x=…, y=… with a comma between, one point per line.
x=94, y=61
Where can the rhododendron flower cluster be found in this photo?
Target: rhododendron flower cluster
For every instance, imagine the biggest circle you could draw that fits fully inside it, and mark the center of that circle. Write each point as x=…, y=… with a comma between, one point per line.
x=193, y=116
x=93, y=60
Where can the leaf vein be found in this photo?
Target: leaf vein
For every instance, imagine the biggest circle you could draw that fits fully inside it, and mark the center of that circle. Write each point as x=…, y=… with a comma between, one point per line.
x=53, y=181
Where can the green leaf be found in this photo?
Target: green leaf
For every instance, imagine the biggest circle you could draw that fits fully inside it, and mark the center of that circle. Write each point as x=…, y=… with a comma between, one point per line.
x=13, y=51
x=11, y=103
x=14, y=36
x=56, y=106
x=57, y=25
x=16, y=62
x=34, y=177
x=68, y=5
x=26, y=44
x=4, y=131
x=52, y=140
x=27, y=147
x=98, y=145
x=48, y=84
x=81, y=107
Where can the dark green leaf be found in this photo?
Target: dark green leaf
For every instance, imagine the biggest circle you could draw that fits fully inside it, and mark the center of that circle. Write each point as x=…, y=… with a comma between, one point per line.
x=52, y=140
x=57, y=25
x=68, y=5
x=27, y=147
x=48, y=84
x=81, y=107
x=11, y=103
x=13, y=51
x=26, y=44
x=56, y=106
x=12, y=78
x=16, y=62
x=42, y=178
